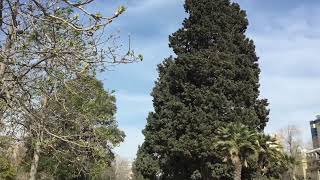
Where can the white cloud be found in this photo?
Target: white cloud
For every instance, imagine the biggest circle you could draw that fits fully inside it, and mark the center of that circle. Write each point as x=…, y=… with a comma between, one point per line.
x=132, y=112
x=292, y=101
x=133, y=108
x=129, y=147
x=150, y=5
x=133, y=98
x=290, y=64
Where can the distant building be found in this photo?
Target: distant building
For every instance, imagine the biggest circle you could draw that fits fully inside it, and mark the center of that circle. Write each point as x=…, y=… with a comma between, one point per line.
x=315, y=132
x=313, y=159
x=302, y=165
x=313, y=156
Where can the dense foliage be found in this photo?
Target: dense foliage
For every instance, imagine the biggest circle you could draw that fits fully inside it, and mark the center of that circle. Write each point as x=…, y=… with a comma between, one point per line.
x=252, y=154
x=82, y=122
x=213, y=81
x=8, y=170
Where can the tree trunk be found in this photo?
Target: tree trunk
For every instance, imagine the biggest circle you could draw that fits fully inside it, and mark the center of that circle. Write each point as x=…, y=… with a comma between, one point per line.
x=35, y=162
x=2, y=68
x=237, y=168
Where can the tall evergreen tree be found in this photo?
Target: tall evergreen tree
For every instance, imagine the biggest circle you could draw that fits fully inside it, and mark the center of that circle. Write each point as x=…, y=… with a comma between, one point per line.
x=213, y=81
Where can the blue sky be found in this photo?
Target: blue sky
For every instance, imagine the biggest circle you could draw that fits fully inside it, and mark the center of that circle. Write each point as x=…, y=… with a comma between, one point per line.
x=287, y=38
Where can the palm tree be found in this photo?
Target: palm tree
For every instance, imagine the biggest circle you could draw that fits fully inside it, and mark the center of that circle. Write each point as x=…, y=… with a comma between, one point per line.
x=237, y=143
x=272, y=161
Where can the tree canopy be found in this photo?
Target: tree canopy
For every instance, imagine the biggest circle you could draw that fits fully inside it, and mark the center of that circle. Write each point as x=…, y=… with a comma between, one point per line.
x=45, y=46
x=81, y=130
x=213, y=81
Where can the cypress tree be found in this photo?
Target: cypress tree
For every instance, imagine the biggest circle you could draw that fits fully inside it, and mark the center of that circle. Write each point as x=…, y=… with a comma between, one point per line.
x=212, y=81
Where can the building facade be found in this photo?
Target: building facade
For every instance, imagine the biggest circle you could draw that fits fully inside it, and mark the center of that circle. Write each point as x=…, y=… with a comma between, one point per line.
x=315, y=132
x=313, y=156
x=313, y=161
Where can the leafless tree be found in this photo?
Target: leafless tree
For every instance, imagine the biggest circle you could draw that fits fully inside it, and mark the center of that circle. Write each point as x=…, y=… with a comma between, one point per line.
x=291, y=137
x=43, y=45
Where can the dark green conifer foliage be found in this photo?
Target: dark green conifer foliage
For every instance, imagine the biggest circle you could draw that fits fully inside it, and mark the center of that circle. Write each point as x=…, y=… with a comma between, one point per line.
x=214, y=80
